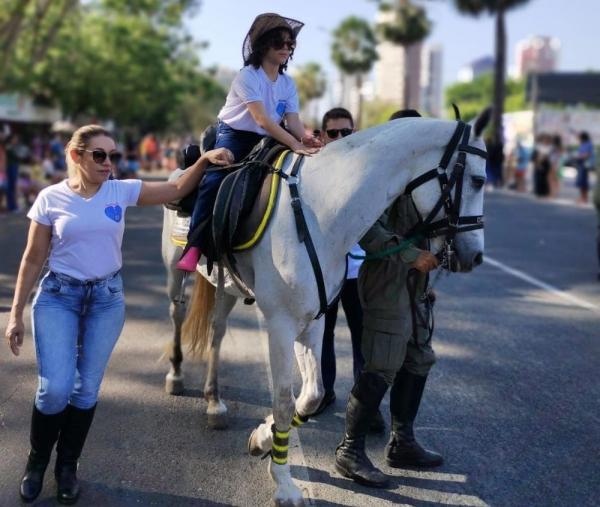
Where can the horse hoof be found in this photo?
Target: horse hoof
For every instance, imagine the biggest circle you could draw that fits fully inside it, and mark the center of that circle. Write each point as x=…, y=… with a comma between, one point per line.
x=288, y=502
x=174, y=384
x=253, y=448
x=218, y=421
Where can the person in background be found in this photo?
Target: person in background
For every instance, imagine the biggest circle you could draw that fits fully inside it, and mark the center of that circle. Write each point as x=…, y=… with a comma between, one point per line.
x=596, y=198
x=337, y=124
x=12, y=172
x=556, y=165
x=541, y=165
x=586, y=159
x=521, y=158
x=79, y=309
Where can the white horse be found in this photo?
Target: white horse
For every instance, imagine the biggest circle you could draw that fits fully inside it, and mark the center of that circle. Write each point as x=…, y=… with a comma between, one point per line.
x=344, y=189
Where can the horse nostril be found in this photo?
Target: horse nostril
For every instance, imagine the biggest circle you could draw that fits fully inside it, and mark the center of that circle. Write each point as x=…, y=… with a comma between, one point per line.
x=478, y=259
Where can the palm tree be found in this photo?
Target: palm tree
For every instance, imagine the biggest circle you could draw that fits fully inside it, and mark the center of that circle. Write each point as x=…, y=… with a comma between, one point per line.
x=311, y=84
x=354, y=52
x=405, y=24
x=499, y=8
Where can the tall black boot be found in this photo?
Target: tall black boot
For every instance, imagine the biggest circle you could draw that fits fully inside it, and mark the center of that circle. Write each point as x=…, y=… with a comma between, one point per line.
x=402, y=449
x=43, y=435
x=350, y=457
x=70, y=444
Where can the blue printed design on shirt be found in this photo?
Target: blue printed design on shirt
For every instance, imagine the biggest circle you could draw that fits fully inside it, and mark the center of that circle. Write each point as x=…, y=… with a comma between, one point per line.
x=280, y=110
x=114, y=212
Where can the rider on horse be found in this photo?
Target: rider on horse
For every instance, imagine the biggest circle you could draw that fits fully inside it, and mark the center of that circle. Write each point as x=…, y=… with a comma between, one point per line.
x=261, y=97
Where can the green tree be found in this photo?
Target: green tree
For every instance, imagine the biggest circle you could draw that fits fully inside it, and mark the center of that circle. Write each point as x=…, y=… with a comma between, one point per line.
x=407, y=25
x=311, y=84
x=499, y=9
x=473, y=97
x=354, y=52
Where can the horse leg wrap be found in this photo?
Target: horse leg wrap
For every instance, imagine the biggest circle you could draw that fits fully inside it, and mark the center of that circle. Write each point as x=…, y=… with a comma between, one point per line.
x=298, y=420
x=280, y=446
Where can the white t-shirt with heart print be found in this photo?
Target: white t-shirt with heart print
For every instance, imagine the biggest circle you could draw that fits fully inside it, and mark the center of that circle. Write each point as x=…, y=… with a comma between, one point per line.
x=86, y=233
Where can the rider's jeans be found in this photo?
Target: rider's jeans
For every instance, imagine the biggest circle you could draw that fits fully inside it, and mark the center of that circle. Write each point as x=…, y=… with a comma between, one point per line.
x=240, y=143
x=76, y=325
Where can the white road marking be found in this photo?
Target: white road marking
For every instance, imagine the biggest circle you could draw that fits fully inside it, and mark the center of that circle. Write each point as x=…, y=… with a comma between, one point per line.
x=574, y=300
x=296, y=453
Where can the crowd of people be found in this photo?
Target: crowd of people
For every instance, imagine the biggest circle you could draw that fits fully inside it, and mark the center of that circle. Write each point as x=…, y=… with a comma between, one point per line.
x=28, y=163
x=546, y=164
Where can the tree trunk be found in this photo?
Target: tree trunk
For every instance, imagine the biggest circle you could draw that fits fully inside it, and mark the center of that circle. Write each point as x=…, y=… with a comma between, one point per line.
x=499, y=78
x=359, y=83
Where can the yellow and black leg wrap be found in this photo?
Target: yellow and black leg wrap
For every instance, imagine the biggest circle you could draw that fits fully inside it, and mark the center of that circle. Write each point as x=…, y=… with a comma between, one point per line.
x=281, y=444
x=298, y=420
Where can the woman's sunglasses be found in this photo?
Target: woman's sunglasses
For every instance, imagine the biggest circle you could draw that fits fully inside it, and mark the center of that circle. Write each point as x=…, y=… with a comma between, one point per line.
x=279, y=43
x=99, y=156
x=334, y=133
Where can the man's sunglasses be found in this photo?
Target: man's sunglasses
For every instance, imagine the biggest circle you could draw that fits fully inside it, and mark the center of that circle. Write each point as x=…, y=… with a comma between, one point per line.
x=334, y=133
x=99, y=156
x=279, y=43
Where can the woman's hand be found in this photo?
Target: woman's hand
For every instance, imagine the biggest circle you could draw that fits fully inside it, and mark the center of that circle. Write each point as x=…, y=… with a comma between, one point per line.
x=219, y=156
x=14, y=334
x=425, y=262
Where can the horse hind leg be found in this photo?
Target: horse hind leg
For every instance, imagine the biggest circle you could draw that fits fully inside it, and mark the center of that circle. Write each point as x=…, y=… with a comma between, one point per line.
x=176, y=287
x=217, y=410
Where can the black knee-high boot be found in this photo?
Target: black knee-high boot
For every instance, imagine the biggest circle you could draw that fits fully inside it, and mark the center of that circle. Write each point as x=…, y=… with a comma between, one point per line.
x=70, y=444
x=350, y=457
x=403, y=449
x=43, y=435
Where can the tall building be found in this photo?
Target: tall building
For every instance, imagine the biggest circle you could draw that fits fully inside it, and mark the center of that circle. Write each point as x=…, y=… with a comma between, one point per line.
x=537, y=54
x=431, y=80
x=390, y=69
x=476, y=68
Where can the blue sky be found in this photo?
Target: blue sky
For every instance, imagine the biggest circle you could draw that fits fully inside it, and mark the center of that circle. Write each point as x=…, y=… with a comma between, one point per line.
x=224, y=23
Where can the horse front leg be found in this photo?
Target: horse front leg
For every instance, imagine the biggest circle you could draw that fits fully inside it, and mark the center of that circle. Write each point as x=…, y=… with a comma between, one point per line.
x=308, y=356
x=176, y=290
x=273, y=434
x=217, y=410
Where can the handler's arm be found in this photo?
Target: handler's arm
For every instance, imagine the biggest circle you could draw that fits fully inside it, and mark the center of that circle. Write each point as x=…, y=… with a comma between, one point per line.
x=34, y=257
x=379, y=238
x=164, y=192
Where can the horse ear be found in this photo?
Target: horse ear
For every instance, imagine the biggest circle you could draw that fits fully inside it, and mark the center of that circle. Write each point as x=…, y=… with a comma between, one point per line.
x=482, y=120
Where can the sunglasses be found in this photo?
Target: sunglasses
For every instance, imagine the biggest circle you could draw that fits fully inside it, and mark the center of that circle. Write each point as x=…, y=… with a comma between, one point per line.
x=334, y=133
x=99, y=156
x=279, y=43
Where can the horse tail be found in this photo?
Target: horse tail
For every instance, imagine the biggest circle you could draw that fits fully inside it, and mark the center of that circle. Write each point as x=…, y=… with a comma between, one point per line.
x=197, y=327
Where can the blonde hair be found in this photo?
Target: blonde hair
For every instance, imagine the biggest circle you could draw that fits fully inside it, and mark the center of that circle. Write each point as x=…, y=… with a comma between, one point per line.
x=79, y=141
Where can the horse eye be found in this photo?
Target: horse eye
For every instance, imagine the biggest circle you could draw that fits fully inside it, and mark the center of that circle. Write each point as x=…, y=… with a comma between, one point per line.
x=478, y=181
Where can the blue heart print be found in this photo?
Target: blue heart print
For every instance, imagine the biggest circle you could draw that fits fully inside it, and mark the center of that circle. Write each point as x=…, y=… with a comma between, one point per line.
x=114, y=212
x=280, y=107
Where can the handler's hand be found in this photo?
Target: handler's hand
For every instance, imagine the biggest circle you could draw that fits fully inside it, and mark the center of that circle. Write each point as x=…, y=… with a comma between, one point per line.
x=425, y=262
x=14, y=334
x=219, y=156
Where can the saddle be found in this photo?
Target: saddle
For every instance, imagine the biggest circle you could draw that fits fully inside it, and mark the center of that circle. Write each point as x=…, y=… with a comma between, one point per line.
x=245, y=201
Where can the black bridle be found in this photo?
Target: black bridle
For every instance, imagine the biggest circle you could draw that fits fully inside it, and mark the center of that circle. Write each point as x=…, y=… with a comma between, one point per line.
x=453, y=223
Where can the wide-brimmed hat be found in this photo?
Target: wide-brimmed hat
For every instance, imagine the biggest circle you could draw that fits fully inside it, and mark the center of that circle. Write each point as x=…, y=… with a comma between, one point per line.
x=263, y=24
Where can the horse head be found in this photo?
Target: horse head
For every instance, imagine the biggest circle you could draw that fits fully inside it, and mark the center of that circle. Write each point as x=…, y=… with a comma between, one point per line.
x=449, y=198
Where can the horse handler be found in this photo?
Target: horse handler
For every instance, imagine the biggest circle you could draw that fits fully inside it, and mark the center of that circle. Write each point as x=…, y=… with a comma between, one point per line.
x=79, y=309
x=395, y=345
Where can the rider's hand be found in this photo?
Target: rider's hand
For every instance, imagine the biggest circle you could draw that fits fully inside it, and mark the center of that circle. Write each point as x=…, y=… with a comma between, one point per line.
x=425, y=262
x=14, y=334
x=219, y=156
x=311, y=142
x=301, y=149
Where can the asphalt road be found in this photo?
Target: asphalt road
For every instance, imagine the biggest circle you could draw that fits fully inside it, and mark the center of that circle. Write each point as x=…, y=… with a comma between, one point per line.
x=513, y=403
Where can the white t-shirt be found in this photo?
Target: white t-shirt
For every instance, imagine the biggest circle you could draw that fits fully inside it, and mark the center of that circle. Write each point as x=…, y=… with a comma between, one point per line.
x=86, y=233
x=252, y=85
x=354, y=264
